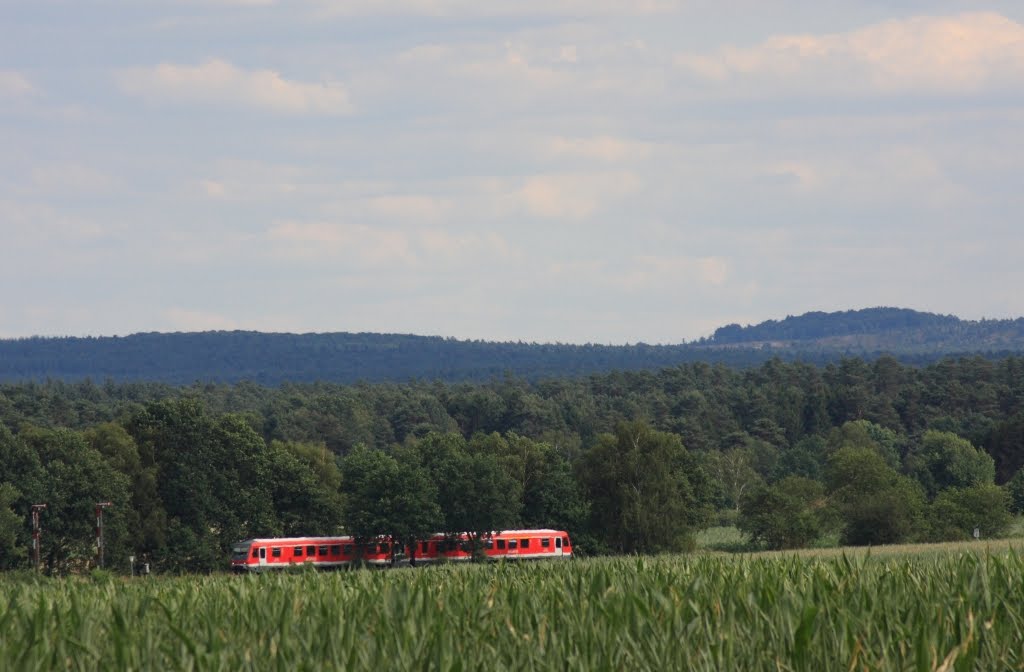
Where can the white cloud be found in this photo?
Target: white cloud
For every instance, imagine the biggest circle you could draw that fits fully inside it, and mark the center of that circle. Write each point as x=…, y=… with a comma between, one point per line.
x=946, y=54
x=442, y=245
x=363, y=247
x=241, y=181
x=891, y=175
x=218, y=82
x=658, y=272
x=574, y=196
x=63, y=178
x=409, y=207
x=357, y=243
x=603, y=148
x=14, y=84
x=31, y=223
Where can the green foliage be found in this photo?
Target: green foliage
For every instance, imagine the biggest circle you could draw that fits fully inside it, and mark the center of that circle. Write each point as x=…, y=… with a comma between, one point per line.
x=213, y=478
x=732, y=475
x=648, y=493
x=875, y=504
x=388, y=496
x=305, y=484
x=788, y=514
x=73, y=479
x=1015, y=489
x=944, y=460
x=207, y=464
x=956, y=512
x=865, y=434
x=955, y=610
x=12, y=547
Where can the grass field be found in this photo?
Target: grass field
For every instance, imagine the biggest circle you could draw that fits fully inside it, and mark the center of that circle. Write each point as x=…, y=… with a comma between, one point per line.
x=909, y=608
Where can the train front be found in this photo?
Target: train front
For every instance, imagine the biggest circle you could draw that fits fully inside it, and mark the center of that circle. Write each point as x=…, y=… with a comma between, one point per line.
x=240, y=556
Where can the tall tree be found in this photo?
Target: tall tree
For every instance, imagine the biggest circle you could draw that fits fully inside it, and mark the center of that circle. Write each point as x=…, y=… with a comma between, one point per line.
x=647, y=492
x=385, y=496
x=75, y=477
x=788, y=514
x=877, y=505
x=12, y=547
x=305, y=484
x=213, y=477
x=477, y=493
x=944, y=460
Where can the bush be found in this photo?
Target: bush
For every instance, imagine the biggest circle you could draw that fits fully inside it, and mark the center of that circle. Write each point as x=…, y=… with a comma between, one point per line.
x=788, y=514
x=957, y=511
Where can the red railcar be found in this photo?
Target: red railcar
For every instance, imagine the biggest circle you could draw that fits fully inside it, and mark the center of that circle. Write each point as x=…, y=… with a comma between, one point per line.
x=254, y=555
x=504, y=545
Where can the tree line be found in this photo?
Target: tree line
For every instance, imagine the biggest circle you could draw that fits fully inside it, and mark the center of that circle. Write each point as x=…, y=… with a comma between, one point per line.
x=347, y=358
x=857, y=451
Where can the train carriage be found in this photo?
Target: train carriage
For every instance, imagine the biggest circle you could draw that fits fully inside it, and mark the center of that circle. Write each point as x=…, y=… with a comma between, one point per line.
x=504, y=545
x=254, y=555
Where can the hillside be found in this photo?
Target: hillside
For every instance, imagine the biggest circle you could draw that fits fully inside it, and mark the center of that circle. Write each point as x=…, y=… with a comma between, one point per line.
x=898, y=330
x=272, y=359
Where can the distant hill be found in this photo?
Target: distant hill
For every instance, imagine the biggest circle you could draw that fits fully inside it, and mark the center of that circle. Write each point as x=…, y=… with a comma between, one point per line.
x=898, y=330
x=273, y=359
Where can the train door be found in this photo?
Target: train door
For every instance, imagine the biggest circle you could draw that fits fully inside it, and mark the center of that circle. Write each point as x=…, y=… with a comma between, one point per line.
x=263, y=556
x=558, y=547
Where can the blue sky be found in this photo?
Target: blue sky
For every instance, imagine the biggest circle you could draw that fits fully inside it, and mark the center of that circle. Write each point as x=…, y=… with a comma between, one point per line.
x=565, y=170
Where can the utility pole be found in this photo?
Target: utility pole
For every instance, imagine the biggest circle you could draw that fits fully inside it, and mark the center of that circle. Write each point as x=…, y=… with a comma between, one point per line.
x=37, y=533
x=99, y=530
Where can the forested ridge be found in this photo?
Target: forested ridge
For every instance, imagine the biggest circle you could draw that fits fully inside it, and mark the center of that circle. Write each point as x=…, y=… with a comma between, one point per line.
x=273, y=359
x=896, y=330
x=857, y=451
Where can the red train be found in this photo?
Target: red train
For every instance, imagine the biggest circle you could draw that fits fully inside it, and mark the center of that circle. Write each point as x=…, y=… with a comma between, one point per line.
x=338, y=552
x=507, y=544
x=324, y=552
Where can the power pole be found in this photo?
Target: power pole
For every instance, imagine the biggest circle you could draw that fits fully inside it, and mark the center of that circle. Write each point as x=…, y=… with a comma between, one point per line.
x=99, y=530
x=37, y=533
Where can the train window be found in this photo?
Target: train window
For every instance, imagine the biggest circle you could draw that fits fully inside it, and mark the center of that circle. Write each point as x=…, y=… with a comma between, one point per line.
x=565, y=541
x=512, y=544
x=558, y=542
x=275, y=552
x=348, y=549
x=255, y=552
x=501, y=544
x=336, y=549
x=489, y=544
x=298, y=551
x=545, y=543
x=524, y=543
x=424, y=546
x=310, y=550
x=385, y=548
x=323, y=550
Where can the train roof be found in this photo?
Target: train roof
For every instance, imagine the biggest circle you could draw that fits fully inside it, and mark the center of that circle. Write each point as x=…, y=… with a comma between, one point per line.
x=294, y=540
x=439, y=535
x=544, y=531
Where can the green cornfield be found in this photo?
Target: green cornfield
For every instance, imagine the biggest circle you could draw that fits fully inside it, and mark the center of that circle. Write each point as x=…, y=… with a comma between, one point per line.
x=961, y=609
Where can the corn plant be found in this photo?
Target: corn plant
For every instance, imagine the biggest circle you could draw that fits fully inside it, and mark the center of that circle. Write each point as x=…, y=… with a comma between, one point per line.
x=960, y=610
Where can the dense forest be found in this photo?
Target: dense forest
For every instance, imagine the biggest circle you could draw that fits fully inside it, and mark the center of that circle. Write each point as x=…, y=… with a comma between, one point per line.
x=896, y=330
x=857, y=451
x=274, y=359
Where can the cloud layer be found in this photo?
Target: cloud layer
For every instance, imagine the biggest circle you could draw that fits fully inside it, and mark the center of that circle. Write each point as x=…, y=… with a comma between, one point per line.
x=218, y=82
x=561, y=170
x=965, y=53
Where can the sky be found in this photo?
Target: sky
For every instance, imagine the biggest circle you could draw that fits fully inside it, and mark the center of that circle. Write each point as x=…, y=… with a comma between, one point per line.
x=576, y=171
